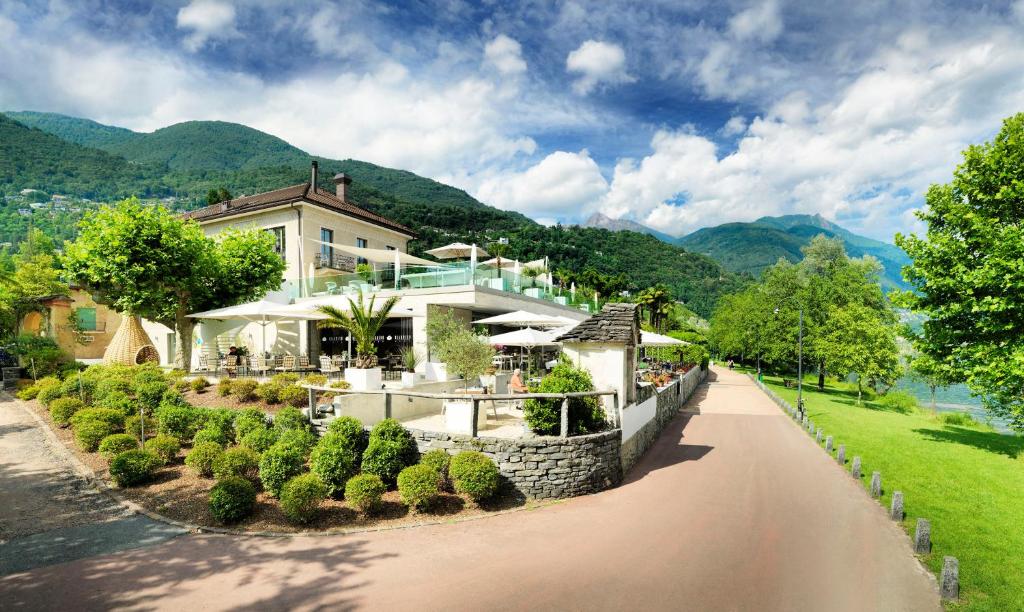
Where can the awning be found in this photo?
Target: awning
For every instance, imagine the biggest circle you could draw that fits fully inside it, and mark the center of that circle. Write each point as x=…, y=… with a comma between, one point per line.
x=379, y=256
x=307, y=309
x=258, y=311
x=648, y=338
x=521, y=318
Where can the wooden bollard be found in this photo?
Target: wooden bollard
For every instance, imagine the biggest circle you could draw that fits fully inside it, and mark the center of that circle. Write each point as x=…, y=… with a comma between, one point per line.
x=876, y=484
x=896, y=507
x=841, y=455
x=950, y=587
x=923, y=537
x=828, y=445
x=855, y=468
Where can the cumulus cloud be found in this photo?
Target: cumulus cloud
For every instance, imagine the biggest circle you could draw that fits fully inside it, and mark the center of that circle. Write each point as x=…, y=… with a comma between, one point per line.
x=597, y=63
x=734, y=126
x=559, y=185
x=760, y=22
x=506, y=55
x=208, y=20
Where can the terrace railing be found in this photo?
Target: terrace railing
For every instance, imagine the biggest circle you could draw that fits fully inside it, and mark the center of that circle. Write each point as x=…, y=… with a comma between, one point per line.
x=615, y=418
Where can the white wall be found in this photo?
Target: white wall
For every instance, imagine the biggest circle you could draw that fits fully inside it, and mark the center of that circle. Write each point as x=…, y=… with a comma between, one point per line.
x=635, y=416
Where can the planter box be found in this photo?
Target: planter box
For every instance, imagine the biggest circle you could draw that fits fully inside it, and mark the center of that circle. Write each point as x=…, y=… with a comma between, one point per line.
x=408, y=379
x=363, y=379
x=437, y=371
x=458, y=417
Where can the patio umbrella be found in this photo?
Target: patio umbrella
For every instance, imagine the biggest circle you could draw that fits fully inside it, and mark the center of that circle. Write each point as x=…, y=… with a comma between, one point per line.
x=527, y=338
x=398, y=269
x=521, y=318
x=648, y=338
x=262, y=312
x=572, y=291
x=457, y=250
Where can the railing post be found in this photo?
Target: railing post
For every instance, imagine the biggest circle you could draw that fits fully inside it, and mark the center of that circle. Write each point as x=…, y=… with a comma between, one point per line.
x=617, y=409
x=387, y=404
x=476, y=414
x=312, y=404
x=563, y=428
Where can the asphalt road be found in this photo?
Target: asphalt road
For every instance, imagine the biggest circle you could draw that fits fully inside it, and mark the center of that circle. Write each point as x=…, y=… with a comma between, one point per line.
x=732, y=509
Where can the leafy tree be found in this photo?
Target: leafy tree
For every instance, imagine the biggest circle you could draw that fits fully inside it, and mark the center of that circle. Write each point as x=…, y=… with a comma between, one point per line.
x=35, y=276
x=216, y=196
x=144, y=261
x=857, y=340
x=931, y=372
x=363, y=322
x=967, y=274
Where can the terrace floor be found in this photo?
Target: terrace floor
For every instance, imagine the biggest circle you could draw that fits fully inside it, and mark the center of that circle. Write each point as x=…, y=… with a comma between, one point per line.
x=503, y=421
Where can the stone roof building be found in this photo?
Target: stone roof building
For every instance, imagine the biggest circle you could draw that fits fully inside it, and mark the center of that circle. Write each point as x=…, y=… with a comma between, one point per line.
x=616, y=323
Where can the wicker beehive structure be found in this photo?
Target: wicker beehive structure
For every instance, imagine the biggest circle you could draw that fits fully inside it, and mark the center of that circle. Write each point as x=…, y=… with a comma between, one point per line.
x=131, y=344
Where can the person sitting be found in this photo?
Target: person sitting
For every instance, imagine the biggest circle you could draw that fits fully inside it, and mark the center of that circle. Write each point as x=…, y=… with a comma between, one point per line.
x=233, y=351
x=515, y=384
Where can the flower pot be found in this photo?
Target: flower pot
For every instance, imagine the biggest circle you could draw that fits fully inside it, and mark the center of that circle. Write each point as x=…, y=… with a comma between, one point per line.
x=458, y=416
x=437, y=371
x=363, y=379
x=408, y=379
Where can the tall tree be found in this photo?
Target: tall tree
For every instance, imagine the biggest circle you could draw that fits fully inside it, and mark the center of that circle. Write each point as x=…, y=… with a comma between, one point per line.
x=35, y=276
x=968, y=276
x=858, y=340
x=144, y=261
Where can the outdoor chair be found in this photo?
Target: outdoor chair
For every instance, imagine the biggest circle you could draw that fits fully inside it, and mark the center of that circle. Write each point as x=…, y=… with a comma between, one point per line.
x=327, y=366
x=259, y=365
x=287, y=364
x=304, y=363
x=204, y=363
x=231, y=365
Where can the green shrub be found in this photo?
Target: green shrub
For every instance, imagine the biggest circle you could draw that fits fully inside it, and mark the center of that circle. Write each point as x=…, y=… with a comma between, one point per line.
x=279, y=464
x=90, y=433
x=150, y=393
x=248, y=420
x=269, y=392
x=208, y=434
x=418, y=485
x=28, y=393
x=351, y=431
x=49, y=390
x=63, y=408
x=244, y=390
x=118, y=400
x=961, y=419
x=364, y=492
x=290, y=418
x=165, y=447
x=301, y=498
x=238, y=461
x=199, y=384
x=171, y=397
x=182, y=422
x=181, y=385
x=232, y=499
x=899, y=401
x=475, y=475
x=202, y=456
x=294, y=395
x=133, y=467
x=260, y=440
x=131, y=426
x=391, y=448
x=115, y=444
x=439, y=460
x=300, y=439
x=334, y=462
x=41, y=351
x=221, y=420
x=285, y=378
x=113, y=418
x=109, y=385
x=585, y=413
x=341, y=384
x=83, y=390
x=224, y=387
x=317, y=380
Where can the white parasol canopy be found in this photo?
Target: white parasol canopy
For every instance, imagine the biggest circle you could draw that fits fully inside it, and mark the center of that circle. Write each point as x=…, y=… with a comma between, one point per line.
x=521, y=318
x=308, y=309
x=378, y=256
x=648, y=338
x=457, y=250
x=505, y=263
x=526, y=338
x=263, y=312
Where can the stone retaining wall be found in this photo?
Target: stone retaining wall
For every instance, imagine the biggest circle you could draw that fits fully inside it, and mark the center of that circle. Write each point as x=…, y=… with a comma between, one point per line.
x=670, y=400
x=543, y=467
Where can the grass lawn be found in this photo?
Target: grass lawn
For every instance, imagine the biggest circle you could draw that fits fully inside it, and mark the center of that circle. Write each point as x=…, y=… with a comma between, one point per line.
x=967, y=480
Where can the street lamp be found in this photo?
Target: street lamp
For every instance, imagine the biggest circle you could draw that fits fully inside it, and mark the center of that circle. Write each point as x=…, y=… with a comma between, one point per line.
x=799, y=364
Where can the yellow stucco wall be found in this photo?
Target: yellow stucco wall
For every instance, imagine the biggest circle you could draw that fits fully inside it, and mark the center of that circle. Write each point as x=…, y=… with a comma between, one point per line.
x=55, y=324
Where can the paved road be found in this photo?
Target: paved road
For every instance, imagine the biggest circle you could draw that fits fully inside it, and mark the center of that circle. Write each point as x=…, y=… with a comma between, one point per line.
x=733, y=509
x=48, y=512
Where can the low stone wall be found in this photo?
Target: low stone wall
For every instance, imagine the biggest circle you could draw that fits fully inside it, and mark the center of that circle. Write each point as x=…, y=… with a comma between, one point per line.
x=669, y=400
x=543, y=467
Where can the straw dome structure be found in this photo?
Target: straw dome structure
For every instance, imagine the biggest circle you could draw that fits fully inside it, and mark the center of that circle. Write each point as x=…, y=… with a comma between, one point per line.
x=131, y=344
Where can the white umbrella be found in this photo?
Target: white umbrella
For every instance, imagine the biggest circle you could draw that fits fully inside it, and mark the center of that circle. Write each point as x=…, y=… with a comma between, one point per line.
x=648, y=338
x=572, y=291
x=457, y=250
x=526, y=338
x=505, y=263
x=521, y=318
x=263, y=312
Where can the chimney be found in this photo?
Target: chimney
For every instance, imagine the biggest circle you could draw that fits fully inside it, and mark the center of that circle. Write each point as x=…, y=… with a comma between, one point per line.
x=341, y=183
x=314, y=176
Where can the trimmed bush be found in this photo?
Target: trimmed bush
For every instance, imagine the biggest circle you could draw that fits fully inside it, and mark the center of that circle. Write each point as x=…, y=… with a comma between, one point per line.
x=439, y=460
x=475, y=475
x=290, y=418
x=113, y=418
x=278, y=465
x=334, y=463
x=118, y=400
x=131, y=426
x=364, y=492
x=71, y=387
x=418, y=485
x=294, y=395
x=391, y=448
x=341, y=384
x=165, y=447
x=172, y=397
x=207, y=434
x=285, y=378
x=49, y=390
x=238, y=461
x=112, y=384
x=28, y=393
x=182, y=422
x=181, y=385
x=899, y=401
x=90, y=433
x=202, y=456
x=351, y=431
x=199, y=384
x=269, y=392
x=301, y=498
x=317, y=380
x=221, y=420
x=224, y=387
x=232, y=499
x=151, y=393
x=585, y=413
x=244, y=390
x=299, y=439
x=133, y=467
x=115, y=444
x=63, y=408
x=249, y=420
x=260, y=440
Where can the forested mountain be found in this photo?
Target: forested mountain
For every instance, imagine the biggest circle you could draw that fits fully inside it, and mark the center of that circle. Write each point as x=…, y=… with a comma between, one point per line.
x=752, y=247
x=188, y=159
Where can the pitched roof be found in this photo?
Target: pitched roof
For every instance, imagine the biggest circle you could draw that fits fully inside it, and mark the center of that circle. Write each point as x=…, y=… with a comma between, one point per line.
x=617, y=322
x=289, y=195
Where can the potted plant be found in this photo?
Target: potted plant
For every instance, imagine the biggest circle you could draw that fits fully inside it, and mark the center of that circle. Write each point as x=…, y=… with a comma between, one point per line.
x=466, y=355
x=363, y=323
x=410, y=361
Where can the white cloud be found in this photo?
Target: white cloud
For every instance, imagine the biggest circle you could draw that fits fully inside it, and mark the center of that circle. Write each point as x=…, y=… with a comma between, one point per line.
x=760, y=22
x=559, y=185
x=597, y=63
x=734, y=126
x=208, y=20
x=506, y=55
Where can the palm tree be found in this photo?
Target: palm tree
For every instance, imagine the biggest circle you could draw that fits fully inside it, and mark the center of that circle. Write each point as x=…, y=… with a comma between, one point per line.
x=533, y=272
x=657, y=301
x=564, y=277
x=499, y=250
x=363, y=323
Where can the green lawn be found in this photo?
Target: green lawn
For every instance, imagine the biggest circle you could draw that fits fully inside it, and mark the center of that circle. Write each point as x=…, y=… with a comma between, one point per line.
x=968, y=481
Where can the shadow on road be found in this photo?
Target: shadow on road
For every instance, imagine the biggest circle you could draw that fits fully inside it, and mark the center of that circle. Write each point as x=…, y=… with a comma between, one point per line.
x=669, y=449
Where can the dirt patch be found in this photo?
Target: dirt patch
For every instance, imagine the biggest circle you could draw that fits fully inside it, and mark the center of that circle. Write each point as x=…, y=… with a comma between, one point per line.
x=210, y=398
x=178, y=493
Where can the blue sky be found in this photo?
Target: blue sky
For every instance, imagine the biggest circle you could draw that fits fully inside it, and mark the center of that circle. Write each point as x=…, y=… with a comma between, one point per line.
x=679, y=114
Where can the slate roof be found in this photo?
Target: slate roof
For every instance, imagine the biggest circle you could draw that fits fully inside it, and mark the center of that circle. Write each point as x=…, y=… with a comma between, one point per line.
x=617, y=322
x=289, y=195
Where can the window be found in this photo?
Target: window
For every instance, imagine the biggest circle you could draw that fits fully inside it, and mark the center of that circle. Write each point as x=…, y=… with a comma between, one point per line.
x=361, y=243
x=326, y=250
x=278, y=233
x=86, y=318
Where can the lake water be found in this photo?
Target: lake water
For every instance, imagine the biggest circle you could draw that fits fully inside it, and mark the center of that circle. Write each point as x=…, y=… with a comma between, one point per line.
x=955, y=398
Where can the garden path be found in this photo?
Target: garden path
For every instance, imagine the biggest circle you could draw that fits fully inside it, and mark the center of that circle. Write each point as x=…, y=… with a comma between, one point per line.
x=733, y=508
